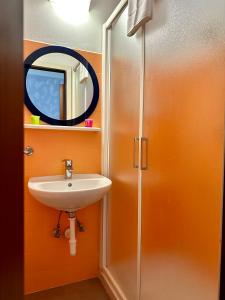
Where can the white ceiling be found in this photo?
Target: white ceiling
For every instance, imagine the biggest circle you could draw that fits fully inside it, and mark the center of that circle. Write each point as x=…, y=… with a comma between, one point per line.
x=42, y=24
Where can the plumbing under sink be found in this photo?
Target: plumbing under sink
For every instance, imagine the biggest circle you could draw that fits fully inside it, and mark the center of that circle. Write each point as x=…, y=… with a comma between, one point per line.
x=69, y=195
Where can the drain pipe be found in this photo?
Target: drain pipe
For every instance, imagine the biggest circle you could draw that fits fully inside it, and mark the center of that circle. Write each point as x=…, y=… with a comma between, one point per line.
x=72, y=241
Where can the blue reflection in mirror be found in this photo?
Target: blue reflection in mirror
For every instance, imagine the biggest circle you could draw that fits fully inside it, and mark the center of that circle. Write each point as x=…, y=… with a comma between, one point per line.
x=46, y=89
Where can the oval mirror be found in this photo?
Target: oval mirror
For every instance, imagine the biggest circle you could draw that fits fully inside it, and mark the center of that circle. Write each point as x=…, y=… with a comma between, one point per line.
x=60, y=86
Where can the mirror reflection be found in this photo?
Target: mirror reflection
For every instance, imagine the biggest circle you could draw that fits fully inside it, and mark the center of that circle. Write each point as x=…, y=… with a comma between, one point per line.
x=59, y=86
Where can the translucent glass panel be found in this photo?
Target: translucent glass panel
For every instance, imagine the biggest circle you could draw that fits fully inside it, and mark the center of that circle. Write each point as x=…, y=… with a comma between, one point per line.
x=123, y=201
x=183, y=119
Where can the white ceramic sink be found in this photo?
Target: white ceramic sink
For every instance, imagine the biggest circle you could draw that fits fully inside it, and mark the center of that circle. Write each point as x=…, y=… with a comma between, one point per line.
x=69, y=194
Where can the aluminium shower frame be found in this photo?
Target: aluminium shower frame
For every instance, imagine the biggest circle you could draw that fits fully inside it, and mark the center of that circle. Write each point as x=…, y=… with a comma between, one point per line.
x=105, y=275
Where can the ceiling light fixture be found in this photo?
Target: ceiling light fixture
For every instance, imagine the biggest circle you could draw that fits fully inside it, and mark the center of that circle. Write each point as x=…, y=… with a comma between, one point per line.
x=72, y=11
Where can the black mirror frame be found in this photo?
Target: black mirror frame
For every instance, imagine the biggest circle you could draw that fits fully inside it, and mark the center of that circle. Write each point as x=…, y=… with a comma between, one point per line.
x=59, y=49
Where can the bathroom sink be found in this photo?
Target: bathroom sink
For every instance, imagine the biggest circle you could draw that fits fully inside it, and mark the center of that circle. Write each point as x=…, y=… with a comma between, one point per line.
x=69, y=194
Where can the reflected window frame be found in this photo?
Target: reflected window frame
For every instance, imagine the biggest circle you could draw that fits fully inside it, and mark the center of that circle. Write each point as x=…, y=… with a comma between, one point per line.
x=63, y=106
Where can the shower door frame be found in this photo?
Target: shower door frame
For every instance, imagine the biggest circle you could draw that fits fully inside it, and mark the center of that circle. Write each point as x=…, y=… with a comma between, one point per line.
x=107, y=279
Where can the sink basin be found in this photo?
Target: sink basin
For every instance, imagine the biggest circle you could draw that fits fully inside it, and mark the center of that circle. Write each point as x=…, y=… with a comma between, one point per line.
x=69, y=194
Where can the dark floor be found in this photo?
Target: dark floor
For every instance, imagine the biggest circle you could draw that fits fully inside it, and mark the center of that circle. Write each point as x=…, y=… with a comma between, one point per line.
x=89, y=289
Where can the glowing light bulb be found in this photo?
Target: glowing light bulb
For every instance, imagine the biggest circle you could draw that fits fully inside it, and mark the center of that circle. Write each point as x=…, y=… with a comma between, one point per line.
x=72, y=11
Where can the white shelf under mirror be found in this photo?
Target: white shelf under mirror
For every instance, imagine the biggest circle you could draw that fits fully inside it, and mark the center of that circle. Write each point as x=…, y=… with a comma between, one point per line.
x=65, y=128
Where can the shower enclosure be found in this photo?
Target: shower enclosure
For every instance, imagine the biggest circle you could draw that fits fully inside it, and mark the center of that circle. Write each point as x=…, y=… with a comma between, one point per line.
x=163, y=146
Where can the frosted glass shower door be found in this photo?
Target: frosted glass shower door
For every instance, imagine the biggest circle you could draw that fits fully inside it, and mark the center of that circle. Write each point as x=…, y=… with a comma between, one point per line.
x=124, y=127
x=184, y=123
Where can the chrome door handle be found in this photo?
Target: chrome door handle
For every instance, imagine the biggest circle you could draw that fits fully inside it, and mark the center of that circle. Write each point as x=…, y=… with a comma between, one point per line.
x=135, y=153
x=144, y=153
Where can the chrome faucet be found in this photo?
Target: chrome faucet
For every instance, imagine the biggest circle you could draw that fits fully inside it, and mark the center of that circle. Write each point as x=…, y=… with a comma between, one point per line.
x=68, y=168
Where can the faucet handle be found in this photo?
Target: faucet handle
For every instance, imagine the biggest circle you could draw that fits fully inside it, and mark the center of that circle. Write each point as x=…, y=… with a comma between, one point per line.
x=68, y=162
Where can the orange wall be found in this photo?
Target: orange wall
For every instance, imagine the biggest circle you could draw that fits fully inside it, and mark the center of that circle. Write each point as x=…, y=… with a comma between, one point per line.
x=47, y=260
